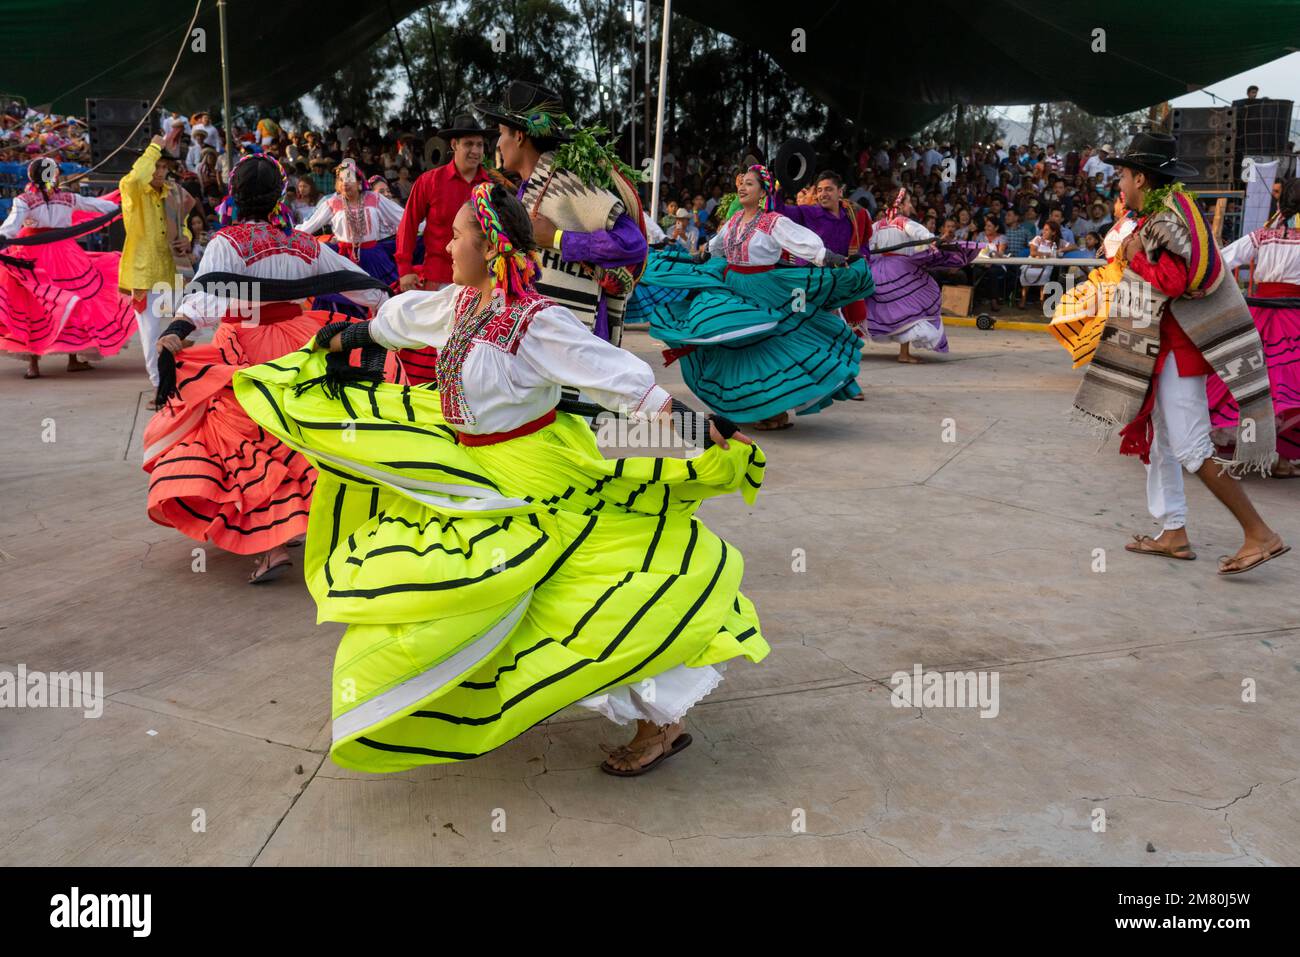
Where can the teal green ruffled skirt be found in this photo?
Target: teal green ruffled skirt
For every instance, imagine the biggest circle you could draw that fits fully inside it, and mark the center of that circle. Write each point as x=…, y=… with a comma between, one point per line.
x=760, y=343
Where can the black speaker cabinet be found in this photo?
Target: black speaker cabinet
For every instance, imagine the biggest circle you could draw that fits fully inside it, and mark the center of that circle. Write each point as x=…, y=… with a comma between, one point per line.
x=109, y=123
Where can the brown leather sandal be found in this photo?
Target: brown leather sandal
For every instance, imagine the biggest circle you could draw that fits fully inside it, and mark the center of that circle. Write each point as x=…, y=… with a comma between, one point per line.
x=1253, y=559
x=1138, y=546
x=625, y=751
x=774, y=423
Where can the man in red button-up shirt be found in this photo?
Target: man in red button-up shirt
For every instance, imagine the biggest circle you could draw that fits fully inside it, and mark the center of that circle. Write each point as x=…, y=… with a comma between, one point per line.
x=435, y=199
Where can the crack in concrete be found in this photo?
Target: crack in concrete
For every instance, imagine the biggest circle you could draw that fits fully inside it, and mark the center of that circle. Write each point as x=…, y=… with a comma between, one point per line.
x=957, y=454
x=293, y=801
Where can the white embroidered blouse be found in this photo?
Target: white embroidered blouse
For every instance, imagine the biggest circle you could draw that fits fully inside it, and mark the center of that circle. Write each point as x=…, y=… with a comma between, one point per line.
x=265, y=252
x=896, y=231
x=1275, y=252
x=761, y=241
x=52, y=213
x=504, y=367
x=375, y=217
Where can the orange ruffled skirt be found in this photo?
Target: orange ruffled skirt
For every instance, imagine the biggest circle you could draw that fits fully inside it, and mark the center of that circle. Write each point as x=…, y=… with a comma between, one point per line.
x=215, y=475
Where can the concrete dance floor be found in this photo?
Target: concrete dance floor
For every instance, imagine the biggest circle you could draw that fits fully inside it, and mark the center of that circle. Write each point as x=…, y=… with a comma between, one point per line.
x=951, y=522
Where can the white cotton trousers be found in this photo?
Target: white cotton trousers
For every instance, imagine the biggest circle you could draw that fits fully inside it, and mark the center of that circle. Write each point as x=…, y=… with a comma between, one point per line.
x=1182, y=441
x=158, y=306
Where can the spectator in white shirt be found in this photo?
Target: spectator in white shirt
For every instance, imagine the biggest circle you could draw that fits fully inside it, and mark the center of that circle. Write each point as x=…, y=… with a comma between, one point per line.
x=199, y=140
x=1096, y=163
x=684, y=233
x=201, y=121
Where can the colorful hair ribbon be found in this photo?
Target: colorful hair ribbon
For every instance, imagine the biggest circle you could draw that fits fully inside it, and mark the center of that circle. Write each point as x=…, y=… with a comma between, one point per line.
x=765, y=180
x=515, y=271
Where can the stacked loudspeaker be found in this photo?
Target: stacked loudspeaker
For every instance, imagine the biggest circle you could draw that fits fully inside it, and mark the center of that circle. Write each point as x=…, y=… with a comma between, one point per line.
x=109, y=124
x=1215, y=140
x=1207, y=140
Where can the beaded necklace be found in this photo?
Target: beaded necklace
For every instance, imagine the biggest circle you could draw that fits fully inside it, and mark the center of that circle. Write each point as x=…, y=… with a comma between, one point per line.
x=451, y=357
x=733, y=246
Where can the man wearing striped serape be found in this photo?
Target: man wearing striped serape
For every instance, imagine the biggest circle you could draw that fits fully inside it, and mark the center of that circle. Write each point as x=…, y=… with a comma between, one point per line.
x=1150, y=367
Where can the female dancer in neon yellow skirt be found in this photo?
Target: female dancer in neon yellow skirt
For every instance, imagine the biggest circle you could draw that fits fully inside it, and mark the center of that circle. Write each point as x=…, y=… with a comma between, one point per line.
x=493, y=566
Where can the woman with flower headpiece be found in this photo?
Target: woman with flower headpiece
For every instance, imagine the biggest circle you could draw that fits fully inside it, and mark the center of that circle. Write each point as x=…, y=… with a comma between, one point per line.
x=214, y=474
x=905, y=307
x=492, y=565
x=758, y=338
x=54, y=296
x=364, y=225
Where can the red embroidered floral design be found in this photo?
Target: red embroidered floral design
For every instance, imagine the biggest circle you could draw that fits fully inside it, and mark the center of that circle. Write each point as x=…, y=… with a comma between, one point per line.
x=256, y=241
x=500, y=326
x=735, y=242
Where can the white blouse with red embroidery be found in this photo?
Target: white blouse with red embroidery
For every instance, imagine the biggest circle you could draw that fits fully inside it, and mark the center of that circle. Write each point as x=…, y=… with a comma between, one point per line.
x=761, y=240
x=264, y=252
x=375, y=217
x=503, y=367
x=899, y=230
x=1275, y=251
x=54, y=212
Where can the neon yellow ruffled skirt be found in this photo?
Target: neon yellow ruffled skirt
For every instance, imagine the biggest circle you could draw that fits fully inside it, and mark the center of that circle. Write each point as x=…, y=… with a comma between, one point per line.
x=486, y=588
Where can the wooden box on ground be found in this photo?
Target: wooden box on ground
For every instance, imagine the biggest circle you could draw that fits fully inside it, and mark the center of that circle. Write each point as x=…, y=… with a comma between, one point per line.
x=956, y=300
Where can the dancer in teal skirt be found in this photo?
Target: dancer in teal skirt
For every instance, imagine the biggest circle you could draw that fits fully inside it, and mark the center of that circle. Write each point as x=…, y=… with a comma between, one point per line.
x=756, y=337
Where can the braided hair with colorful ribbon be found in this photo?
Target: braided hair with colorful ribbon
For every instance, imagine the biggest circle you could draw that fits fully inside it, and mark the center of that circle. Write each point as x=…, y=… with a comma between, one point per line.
x=515, y=270
x=765, y=180
x=43, y=175
x=229, y=211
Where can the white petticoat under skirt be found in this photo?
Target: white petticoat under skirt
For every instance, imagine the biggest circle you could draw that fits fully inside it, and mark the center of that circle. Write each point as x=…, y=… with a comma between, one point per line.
x=663, y=699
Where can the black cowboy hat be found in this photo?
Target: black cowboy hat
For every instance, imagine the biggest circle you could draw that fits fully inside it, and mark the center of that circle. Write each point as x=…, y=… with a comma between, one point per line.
x=527, y=106
x=463, y=124
x=1154, y=153
x=795, y=165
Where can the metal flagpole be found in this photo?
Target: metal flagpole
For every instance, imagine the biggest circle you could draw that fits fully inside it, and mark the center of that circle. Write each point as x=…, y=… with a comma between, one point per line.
x=225, y=88
x=631, y=86
x=645, y=86
x=659, y=116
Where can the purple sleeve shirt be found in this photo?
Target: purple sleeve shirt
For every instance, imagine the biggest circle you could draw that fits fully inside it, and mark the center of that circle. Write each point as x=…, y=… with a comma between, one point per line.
x=621, y=246
x=836, y=232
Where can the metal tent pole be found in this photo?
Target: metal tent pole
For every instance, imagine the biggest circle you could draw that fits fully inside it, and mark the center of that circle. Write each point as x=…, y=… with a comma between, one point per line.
x=659, y=116
x=225, y=89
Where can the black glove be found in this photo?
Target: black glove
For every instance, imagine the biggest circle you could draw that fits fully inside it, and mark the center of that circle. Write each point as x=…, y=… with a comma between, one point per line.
x=833, y=259
x=355, y=335
x=167, y=362
x=339, y=371
x=694, y=426
x=179, y=328
x=726, y=428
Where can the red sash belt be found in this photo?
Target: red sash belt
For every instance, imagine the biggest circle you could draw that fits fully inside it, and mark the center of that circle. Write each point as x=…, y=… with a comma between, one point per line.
x=347, y=249
x=746, y=270
x=1276, y=290
x=267, y=314
x=672, y=355
x=492, y=438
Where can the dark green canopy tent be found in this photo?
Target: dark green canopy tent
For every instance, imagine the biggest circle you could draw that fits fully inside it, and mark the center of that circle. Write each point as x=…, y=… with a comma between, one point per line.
x=889, y=67
x=893, y=67
x=62, y=51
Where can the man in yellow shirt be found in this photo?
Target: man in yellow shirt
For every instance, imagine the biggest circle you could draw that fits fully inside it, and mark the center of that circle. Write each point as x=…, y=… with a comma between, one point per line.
x=148, y=270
